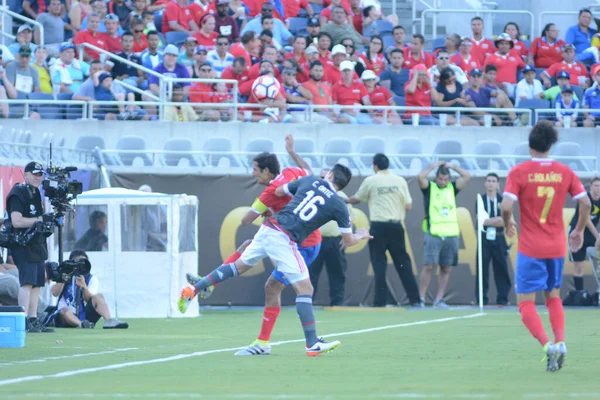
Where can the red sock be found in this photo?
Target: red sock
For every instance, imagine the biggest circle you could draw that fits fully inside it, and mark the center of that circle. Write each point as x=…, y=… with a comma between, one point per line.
x=268, y=323
x=557, y=318
x=532, y=321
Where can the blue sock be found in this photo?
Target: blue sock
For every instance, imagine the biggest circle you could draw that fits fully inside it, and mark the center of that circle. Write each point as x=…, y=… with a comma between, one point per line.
x=307, y=318
x=218, y=275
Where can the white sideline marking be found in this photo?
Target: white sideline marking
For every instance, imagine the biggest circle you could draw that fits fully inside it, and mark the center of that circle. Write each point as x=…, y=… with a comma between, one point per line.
x=202, y=353
x=41, y=360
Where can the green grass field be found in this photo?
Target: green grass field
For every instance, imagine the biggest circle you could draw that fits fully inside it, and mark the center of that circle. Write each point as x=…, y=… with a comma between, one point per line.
x=414, y=354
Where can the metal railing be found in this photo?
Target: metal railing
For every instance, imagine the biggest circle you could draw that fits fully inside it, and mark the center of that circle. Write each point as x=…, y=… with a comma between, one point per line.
x=545, y=13
x=436, y=11
x=4, y=10
x=428, y=6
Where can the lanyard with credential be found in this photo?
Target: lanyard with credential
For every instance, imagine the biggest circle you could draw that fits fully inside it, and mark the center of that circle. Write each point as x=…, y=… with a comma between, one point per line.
x=490, y=232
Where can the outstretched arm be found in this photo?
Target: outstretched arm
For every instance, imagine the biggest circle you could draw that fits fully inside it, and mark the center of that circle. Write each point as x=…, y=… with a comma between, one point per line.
x=350, y=239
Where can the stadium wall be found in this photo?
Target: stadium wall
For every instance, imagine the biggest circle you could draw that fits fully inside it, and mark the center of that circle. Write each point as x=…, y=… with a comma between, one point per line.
x=224, y=200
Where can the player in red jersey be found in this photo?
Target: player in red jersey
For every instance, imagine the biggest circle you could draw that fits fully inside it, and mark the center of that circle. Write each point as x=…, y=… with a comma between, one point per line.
x=541, y=186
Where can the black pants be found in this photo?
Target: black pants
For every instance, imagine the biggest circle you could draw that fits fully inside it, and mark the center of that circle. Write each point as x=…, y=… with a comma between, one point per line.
x=334, y=258
x=494, y=251
x=390, y=236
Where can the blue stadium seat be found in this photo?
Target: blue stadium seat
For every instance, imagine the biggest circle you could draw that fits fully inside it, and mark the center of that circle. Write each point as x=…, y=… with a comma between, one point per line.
x=412, y=146
x=340, y=147
x=452, y=148
x=133, y=143
x=526, y=42
x=297, y=24
x=400, y=101
x=305, y=147
x=258, y=146
x=384, y=26
x=534, y=104
x=388, y=41
x=570, y=149
x=317, y=8
x=158, y=18
x=178, y=145
x=90, y=142
x=221, y=146
x=579, y=92
x=438, y=43
x=490, y=148
x=522, y=151
x=369, y=146
x=176, y=37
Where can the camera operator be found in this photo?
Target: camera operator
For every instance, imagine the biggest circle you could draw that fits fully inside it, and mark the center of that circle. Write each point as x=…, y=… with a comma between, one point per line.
x=81, y=305
x=24, y=208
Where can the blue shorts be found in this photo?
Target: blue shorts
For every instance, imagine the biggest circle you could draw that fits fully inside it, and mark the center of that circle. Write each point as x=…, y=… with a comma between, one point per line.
x=309, y=254
x=538, y=274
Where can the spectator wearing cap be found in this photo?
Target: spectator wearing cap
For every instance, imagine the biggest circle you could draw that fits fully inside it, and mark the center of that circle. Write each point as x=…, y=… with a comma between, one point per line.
x=280, y=33
x=546, y=49
x=394, y=77
x=580, y=35
x=39, y=63
x=186, y=57
x=380, y=96
x=298, y=48
x=578, y=74
x=482, y=47
x=464, y=59
x=320, y=91
x=505, y=63
x=313, y=28
x=200, y=58
x=442, y=62
x=339, y=29
x=529, y=87
x=112, y=37
x=22, y=75
x=125, y=72
x=485, y=95
x=178, y=18
x=152, y=56
x=373, y=58
x=591, y=100
x=169, y=67
x=519, y=49
x=566, y=106
x=140, y=41
x=24, y=38
x=348, y=92
x=292, y=8
x=100, y=8
x=295, y=93
x=207, y=36
x=67, y=72
x=248, y=47
x=91, y=36
x=225, y=24
x=54, y=27
x=103, y=92
x=418, y=92
x=85, y=92
x=415, y=53
x=220, y=58
x=562, y=80
x=333, y=72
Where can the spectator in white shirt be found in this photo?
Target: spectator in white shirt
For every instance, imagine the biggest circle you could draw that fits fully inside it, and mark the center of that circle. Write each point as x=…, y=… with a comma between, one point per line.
x=220, y=59
x=443, y=61
x=529, y=87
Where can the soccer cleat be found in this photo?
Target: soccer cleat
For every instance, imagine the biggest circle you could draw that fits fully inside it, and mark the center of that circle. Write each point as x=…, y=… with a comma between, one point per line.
x=562, y=353
x=322, y=347
x=440, y=303
x=551, y=357
x=185, y=298
x=256, y=348
x=193, y=279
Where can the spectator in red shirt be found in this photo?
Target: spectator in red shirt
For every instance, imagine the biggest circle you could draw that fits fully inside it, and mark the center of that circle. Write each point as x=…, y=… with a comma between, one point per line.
x=91, y=36
x=356, y=15
x=323, y=45
x=546, y=50
x=140, y=42
x=301, y=73
x=269, y=54
x=203, y=93
x=292, y=8
x=373, y=58
x=247, y=48
x=226, y=25
x=238, y=71
x=325, y=15
x=464, y=59
x=299, y=47
x=577, y=71
x=482, y=47
x=333, y=73
x=380, y=96
x=506, y=63
x=519, y=48
x=415, y=54
x=207, y=35
x=418, y=93
x=178, y=18
x=348, y=92
x=276, y=110
x=321, y=92
x=112, y=37
x=200, y=8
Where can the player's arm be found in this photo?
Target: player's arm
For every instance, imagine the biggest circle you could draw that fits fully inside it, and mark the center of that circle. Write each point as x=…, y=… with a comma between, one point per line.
x=289, y=189
x=423, y=180
x=258, y=208
x=350, y=239
x=464, y=175
x=300, y=162
x=507, y=213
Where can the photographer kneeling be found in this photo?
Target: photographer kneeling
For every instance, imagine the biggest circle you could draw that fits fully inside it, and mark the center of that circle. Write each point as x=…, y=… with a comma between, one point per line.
x=83, y=289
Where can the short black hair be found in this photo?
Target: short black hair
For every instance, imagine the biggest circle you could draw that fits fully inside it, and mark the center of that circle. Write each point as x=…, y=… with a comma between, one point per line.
x=223, y=37
x=542, y=136
x=267, y=32
x=301, y=37
x=341, y=176
x=595, y=179
x=95, y=217
x=239, y=60
x=490, y=67
x=492, y=175
x=398, y=27
x=477, y=19
x=151, y=33
x=442, y=170
x=381, y=161
x=420, y=37
x=268, y=160
x=126, y=34
x=396, y=50
x=585, y=10
x=321, y=34
x=78, y=253
x=315, y=63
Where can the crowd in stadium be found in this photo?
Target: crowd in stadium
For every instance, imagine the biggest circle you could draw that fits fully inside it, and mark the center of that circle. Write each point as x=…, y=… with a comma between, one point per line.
x=349, y=54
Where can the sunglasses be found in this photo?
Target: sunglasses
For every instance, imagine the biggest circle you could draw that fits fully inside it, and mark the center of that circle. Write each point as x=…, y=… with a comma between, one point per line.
x=139, y=31
x=349, y=45
x=222, y=43
x=205, y=70
x=443, y=58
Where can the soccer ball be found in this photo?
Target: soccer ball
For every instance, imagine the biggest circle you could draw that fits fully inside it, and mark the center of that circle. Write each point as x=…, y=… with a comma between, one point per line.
x=265, y=87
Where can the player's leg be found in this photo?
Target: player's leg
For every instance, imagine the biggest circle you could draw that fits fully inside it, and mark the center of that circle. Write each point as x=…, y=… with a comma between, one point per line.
x=432, y=247
x=556, y=312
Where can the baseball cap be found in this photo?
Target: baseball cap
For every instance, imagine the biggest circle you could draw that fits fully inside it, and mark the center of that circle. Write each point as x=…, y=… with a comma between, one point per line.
x=506, y=38
x=314, y=21
x=103, y=76
x=289, y=71
x=111, y=16
x=171, y=49
x=344, y=65
x=563, y=74
x=200, y=49
x=190, y=39
x=24, y=28
x=367, y=75
x=475, y=72
x=567, y=47
x=25, y=51
x=311, y=50
x=528, y=68
x=223, y=2
x=338, y=49
x=65, y=46
x=567, y=89
x=34, y=167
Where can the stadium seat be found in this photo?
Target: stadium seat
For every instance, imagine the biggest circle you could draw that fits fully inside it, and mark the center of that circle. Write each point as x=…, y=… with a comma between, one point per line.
x=220, y=147
x=90, y=142
x=176, y=37
x=369, y=146
x=257, y=146
x=158, y=18
x=534, y=104
x=297, y=24
x=400, y=101
x=46, y=111
x=341, y=148
x=438, y=43
x=132, y=143
x=579, y=92
x=413, y=147
x=383, y=26
x=522, y=152
x=317, y=8
x=388, y=41
x=452, y=148
x=490, y=148
x=305, y=147
x=570, y=149
x=178, y=145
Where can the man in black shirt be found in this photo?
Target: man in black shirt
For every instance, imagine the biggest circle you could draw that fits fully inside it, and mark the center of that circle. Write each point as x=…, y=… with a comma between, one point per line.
x=125, y=72
x=24, y=209
x=314, y=203
x=590, y=234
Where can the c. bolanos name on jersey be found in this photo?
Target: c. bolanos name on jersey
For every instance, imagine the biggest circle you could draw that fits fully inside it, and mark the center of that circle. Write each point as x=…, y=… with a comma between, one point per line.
x=323, y=189
x=550, y=177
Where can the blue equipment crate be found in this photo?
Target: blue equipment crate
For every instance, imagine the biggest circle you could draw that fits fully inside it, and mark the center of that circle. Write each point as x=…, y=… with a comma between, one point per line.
x=12, y=327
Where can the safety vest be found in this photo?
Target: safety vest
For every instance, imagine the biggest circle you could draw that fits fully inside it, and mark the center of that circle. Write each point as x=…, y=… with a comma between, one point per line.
x=443, y=220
